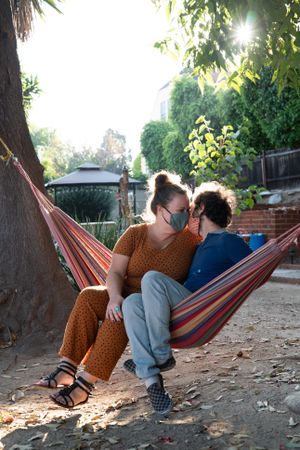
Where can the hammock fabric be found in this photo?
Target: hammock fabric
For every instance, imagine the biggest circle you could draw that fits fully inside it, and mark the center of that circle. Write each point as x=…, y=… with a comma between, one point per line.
x=196, y=319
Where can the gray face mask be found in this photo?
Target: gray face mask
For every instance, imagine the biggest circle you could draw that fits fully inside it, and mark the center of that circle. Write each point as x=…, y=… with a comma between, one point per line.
x=178, y=221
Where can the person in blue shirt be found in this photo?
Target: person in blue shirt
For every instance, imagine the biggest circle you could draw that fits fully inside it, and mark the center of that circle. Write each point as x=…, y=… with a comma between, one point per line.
x=147, y=315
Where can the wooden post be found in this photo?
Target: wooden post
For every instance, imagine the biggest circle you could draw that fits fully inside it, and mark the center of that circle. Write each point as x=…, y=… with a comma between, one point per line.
x=125, y=209
x=134, y=199
x=264, y=170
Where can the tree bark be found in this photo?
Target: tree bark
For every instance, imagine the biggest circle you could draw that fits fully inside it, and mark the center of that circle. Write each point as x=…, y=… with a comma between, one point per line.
x=35, y=295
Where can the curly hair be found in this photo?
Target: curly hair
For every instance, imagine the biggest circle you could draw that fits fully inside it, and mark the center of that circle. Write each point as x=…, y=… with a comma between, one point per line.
x=218, y=201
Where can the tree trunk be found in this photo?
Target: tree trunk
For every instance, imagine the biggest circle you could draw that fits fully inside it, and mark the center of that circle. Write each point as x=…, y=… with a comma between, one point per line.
x=35, y=295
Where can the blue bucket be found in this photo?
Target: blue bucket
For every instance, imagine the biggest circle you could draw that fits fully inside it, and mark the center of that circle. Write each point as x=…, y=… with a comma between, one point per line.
x=257, y=240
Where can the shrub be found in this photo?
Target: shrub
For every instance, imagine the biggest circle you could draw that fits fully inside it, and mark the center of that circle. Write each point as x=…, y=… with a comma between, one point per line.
x=85, y=203
x=107, y=234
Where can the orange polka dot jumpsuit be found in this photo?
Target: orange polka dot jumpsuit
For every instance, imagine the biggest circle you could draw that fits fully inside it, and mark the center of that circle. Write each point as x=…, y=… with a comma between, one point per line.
x=99, y=343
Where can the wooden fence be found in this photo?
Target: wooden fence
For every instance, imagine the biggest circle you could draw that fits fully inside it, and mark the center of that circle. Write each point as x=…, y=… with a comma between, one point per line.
x=274, y=170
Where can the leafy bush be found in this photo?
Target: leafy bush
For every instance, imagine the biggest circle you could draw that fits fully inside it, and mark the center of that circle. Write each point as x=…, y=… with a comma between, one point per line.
x=137, y=171
x=84, y=203
x=178, y=162
x=278, y=116
x=152, y=138
x=107, y=234
x=221, y=159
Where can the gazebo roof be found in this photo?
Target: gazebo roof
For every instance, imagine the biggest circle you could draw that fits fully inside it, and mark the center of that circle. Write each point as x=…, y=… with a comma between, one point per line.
x=90, y=174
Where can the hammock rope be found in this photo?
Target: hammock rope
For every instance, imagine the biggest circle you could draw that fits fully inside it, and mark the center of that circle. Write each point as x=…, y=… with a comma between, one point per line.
x=9, y=154
x=197, y=318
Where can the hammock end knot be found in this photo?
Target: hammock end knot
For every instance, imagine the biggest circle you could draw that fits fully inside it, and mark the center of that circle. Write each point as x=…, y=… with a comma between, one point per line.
x=9, y=154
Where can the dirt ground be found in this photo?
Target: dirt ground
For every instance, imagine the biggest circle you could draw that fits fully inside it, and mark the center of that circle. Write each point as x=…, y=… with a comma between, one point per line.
x=228, y=394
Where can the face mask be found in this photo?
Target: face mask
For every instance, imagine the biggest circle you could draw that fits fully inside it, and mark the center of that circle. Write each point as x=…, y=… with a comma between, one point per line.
x=178, y=220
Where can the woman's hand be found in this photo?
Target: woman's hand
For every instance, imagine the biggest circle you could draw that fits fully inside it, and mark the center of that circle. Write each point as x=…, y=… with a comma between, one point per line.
x=113, y=310
x=114, y=283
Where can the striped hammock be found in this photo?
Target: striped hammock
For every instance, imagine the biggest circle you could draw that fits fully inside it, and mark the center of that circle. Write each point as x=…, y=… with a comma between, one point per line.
x=196, y=319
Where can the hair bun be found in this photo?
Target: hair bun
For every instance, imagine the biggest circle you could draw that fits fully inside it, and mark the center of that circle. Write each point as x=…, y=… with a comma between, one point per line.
x=161, y=180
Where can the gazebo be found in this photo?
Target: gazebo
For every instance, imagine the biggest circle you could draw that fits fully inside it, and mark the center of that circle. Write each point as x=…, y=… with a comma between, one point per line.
x=89, y=174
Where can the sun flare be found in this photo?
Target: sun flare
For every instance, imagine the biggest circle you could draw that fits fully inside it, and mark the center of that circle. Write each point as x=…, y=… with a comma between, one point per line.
x=244, y=34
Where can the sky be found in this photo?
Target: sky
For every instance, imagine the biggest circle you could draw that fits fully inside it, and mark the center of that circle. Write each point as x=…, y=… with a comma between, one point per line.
x=98, y=68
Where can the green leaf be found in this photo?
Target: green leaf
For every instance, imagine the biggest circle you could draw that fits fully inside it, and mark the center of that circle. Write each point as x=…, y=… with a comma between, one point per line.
x=200, y=119
x=201, y=84
x=53, y=4
x=209, y=137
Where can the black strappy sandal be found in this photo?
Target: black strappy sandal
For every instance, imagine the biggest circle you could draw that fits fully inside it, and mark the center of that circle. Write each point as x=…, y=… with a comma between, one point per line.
x=65, y=393
x=64, y=366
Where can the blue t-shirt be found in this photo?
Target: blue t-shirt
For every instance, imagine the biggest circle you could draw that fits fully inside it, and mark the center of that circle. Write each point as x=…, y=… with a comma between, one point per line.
x=217, y=253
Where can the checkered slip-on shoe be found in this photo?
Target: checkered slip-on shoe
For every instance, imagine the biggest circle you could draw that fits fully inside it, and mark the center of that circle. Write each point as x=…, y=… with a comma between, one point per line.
x=130, y=366
x=159, y=398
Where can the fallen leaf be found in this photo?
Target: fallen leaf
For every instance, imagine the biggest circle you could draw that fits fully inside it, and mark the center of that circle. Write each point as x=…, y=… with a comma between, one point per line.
x=54, y=444
x=36, y=436
x=97, y=417
x=87, y=428
x=291, y=342
x=187, y=360
x=52, y=426
x=262, y=405
x=20, y=447
x=113, y=440
x=166, y=440
x=124, y=402
x=249, y=349
x=192, y=389
x=17, y=396
x=6, y=420
x=184, y=405
x=32, y=419
x=217, y=429
x=292, y=423
x=194, y=395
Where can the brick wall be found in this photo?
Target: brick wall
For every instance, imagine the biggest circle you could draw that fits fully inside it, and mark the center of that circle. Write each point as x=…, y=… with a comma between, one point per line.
x=271, y=221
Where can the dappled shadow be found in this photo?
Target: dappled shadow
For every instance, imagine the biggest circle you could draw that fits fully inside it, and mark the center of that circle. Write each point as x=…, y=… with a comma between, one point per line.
x=228, y=394
x=63, y=433
x=126, y=431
